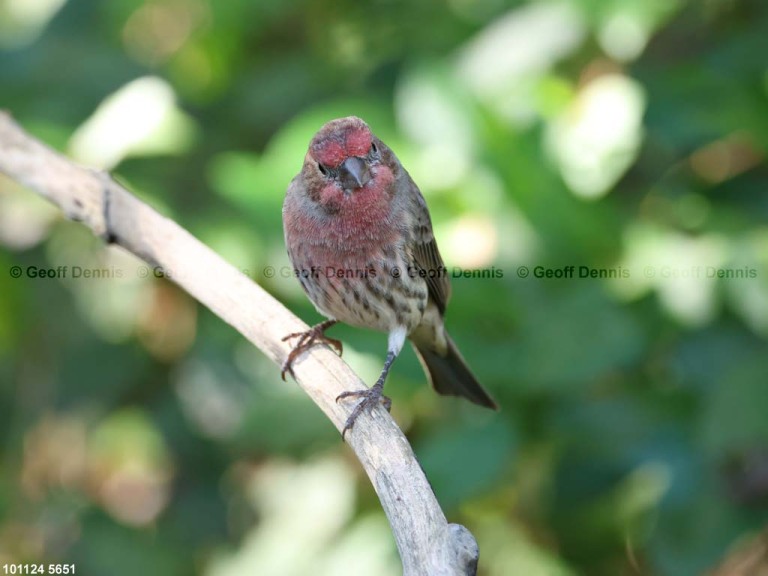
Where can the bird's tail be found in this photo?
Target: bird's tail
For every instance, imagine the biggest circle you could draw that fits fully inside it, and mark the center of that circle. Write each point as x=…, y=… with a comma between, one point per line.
x=451, y=376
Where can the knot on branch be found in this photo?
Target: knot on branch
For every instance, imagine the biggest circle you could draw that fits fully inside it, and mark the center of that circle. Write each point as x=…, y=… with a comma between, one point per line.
x=456, y=553
x=106, y=180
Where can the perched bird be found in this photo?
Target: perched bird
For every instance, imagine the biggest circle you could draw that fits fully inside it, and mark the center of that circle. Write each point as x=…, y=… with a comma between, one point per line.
x=360, y=239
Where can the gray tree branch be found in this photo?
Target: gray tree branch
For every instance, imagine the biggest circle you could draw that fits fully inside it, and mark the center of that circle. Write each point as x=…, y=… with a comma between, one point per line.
x=428, y=545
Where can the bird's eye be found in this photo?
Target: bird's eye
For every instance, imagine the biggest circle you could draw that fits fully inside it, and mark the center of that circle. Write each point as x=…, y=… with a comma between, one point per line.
x=323, y=169
x=374, y=148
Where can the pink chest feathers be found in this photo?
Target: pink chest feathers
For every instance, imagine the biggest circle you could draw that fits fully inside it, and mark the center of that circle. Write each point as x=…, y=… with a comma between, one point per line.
x=352, y=225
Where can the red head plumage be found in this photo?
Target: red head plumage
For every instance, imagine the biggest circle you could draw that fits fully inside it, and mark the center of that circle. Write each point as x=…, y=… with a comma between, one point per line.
x=341, y=139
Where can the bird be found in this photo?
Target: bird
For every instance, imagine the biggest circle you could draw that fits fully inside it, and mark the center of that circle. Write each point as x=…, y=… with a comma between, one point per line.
x=359, y=237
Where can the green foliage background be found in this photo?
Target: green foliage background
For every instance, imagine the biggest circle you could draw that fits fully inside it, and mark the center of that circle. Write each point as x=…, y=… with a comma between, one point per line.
x=140, y=435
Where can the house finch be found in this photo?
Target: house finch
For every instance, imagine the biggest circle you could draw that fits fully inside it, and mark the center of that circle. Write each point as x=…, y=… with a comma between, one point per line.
x=359, y=236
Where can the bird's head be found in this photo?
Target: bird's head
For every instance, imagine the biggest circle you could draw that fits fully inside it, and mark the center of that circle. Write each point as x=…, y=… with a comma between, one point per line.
x=344, y=159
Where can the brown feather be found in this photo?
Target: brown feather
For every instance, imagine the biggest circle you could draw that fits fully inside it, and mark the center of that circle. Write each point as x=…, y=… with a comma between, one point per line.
x=426, y=255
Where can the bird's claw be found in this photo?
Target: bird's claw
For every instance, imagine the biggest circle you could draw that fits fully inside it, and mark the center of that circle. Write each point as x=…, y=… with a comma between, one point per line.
x=308, y=339
x=369, y=399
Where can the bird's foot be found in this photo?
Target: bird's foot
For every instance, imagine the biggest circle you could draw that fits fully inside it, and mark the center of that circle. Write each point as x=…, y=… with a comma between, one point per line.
x=312, y=337
x=369, y=399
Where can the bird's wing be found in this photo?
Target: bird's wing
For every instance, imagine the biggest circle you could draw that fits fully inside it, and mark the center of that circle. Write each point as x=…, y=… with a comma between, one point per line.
x=425, y=253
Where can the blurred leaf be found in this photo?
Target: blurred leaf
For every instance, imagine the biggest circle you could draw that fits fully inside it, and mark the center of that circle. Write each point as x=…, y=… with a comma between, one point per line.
x=480, y=452
x=735, y=414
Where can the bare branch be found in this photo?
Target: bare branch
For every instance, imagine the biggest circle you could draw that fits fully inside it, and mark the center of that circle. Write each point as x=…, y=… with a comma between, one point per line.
x=428, y=545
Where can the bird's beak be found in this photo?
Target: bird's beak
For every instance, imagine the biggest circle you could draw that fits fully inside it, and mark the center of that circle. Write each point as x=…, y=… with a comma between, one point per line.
x=354, y=173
